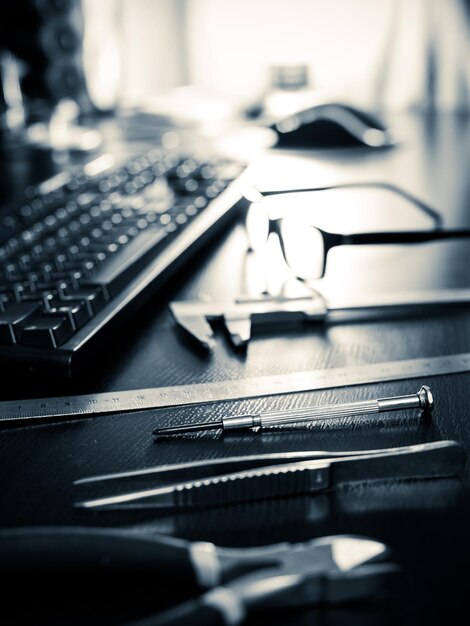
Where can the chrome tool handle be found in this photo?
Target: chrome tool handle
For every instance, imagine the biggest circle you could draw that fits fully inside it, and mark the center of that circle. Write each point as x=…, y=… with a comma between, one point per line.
x=268, y=482
x=422, y=400
x=312, y=414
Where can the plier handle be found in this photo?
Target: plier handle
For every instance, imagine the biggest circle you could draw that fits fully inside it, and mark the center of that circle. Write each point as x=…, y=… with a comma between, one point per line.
x=232, y=582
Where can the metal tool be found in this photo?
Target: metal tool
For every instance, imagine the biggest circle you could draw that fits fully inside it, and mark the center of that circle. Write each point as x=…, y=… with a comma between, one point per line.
x=20, y=412
x=265, y=476
x=239, y=316
x=422, y=400
x=324, y=570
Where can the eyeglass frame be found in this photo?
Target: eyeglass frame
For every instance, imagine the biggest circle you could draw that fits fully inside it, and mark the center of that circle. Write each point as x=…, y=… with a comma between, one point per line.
x=331, y=240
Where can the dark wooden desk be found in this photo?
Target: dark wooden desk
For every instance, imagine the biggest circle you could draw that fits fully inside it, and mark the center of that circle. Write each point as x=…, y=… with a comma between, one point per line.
x=425, y=524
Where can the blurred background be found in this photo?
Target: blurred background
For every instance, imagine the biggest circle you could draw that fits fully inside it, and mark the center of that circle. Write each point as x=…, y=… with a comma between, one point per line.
x=395, y=52
x=212, y=59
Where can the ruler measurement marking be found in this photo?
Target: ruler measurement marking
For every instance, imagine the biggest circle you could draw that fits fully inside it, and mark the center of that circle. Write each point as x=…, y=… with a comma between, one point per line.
x=13, y=412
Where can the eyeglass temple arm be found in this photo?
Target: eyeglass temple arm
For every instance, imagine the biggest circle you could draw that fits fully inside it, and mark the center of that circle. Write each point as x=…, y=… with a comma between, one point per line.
x=402, y=237
x=435, y=215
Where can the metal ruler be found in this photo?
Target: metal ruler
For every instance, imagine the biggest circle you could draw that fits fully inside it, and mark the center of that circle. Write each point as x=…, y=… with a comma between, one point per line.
x=23, y=411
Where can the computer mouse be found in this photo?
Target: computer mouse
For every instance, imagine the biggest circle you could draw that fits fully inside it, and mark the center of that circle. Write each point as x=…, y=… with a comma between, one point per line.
x=332, y=125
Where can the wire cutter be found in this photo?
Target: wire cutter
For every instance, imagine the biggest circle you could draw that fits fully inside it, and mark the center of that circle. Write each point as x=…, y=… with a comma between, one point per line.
x=246, y=478
x=233, y=582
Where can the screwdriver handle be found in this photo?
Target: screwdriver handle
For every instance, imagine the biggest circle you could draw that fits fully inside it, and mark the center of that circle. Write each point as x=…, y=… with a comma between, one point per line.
x=307, y=414
x=422, y=400
x=313, y=414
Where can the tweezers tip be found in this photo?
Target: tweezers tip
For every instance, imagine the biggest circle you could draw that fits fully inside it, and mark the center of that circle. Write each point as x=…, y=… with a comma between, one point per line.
x=87, y=479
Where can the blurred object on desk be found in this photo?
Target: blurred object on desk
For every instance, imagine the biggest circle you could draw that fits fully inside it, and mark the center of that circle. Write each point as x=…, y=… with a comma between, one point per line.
x=332, y=124
x=302, y=117
x=47, y=37
x=45, y=41
x=103, y=52
x=62, y=132
x=288, y=83
x=11, y=101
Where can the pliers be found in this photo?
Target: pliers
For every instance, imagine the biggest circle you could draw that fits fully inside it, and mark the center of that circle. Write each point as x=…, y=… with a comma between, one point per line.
x=232, y=582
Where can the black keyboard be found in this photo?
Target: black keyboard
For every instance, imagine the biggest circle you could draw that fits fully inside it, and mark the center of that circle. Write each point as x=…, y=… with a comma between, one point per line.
x=90, y=245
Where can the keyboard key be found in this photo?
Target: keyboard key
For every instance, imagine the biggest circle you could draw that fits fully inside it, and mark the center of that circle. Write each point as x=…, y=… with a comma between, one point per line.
x=127, y=261
x=185, y=187
x=9, y=226
x=5, y=299
x=13, y=245
x=43, y=298
x=85, y=267
x=12, y=319
x=71, y=276
x=199, y=202
x=46, y=331
x=205, y=172
x=77, y=313
x=93, y=297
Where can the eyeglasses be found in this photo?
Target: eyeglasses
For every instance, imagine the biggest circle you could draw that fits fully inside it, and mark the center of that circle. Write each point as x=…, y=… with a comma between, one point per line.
x=305, y=247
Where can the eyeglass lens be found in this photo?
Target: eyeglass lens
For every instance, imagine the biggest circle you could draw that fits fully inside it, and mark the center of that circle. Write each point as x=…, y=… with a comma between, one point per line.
x=303, y=249
x=257, y=226
x=302, y=244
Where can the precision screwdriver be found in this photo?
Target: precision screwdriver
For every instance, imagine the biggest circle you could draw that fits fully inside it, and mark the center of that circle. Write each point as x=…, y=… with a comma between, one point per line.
x=422, y=400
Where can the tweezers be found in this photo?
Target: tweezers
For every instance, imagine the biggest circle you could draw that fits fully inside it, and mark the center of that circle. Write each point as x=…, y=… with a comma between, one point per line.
x=247, y=478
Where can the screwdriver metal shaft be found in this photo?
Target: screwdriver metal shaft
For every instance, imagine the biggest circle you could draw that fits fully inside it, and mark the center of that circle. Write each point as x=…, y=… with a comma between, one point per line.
x=422, y=400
